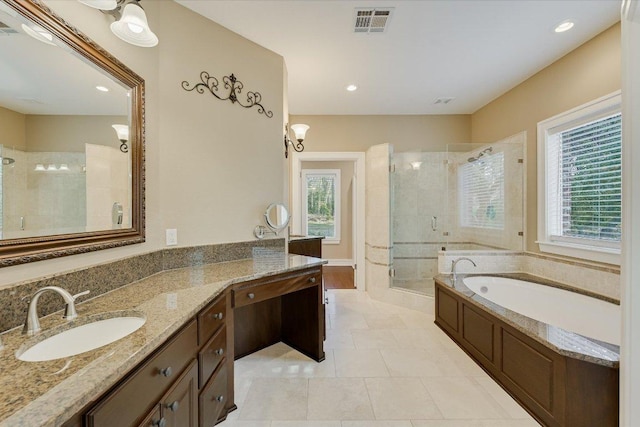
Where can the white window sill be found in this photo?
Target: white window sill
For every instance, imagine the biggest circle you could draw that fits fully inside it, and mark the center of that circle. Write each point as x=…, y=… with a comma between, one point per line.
x=591, y=253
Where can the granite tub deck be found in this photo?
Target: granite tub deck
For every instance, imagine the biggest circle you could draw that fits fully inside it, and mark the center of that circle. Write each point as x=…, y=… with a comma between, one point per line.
x=561, y=378
x=564, y=342
x=48, y=393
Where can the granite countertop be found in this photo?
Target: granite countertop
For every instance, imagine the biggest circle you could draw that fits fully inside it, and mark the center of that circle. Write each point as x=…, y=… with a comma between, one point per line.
x=564, y=342
x=48, y=393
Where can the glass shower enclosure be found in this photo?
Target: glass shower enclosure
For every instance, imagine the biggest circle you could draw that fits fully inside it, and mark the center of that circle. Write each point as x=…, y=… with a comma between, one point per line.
x=469, y=197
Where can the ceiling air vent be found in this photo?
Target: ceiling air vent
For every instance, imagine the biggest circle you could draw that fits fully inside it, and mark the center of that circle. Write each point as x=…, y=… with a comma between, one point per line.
x=372, y=20
x=6, y=30
x=443, y=100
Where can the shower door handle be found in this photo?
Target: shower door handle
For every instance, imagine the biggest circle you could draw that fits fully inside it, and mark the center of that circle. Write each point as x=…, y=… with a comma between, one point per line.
x=21, y=223
x=434, y=223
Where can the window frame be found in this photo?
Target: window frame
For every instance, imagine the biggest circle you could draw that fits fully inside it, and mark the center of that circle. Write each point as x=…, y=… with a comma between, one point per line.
x=583, y=114
x=337, y=197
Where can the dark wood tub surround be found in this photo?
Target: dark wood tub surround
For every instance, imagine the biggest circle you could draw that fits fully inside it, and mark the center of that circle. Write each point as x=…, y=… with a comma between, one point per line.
x=554, y=386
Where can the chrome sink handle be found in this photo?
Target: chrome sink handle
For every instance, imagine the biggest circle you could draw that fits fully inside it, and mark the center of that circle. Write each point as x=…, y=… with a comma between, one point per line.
x=32, y=324
x=70, y=309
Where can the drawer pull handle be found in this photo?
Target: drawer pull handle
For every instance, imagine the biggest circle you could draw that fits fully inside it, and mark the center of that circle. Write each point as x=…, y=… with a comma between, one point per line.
x=251, y=296
x=219, y=398
x=312, y=280
x=166, y=372
x=160, y=423
x=219, y=352
x=218, y=316
x=173, y=407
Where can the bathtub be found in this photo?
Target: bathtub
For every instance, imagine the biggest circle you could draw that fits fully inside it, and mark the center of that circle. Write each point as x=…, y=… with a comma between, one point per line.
x=573, y=312
x=552, y=350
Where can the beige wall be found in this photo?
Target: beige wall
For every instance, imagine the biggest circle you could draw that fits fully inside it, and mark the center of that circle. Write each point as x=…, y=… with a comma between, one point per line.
x=211, y=167
x=13, y=134
x=587, y=73
x=345, y=249
x=406, y=133
x=70, y=133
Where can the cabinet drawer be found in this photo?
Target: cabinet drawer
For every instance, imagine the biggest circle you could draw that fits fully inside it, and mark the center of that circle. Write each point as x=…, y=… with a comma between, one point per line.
x=212, y=354
x=153, y=419
x=137, y=393
x=211, y=318
x=213, y=397
x=252, y=292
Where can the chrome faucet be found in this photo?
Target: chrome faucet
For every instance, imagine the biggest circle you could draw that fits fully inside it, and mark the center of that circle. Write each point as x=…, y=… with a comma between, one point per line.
x=32, y=324
x=453, y=267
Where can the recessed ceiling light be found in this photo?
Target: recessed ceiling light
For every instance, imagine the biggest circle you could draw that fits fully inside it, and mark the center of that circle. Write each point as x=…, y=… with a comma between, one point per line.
x=102, y=89
x=352, y=88
x=564, y=26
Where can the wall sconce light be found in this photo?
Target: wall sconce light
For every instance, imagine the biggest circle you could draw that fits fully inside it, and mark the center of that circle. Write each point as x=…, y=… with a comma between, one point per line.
x=415, y=165
x=300, y=131
x=131, y=22
x=123, y=136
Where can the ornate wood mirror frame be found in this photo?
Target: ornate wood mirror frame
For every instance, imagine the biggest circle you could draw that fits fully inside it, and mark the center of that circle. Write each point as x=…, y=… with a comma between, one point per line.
x=23, y=250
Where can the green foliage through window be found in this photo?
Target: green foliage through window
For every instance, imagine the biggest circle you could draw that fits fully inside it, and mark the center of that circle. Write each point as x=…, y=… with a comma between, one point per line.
x=321, y=205
x=592, y=180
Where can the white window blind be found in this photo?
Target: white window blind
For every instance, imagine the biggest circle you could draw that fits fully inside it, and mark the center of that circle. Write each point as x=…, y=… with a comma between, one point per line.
x=580, y=181
x=481, y=192
x=585, y=185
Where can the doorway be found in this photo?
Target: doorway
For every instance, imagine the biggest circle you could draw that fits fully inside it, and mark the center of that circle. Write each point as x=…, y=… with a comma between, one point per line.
x=353, y=182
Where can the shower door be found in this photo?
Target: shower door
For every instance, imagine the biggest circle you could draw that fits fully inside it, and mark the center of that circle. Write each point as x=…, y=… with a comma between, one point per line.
x=419, y=209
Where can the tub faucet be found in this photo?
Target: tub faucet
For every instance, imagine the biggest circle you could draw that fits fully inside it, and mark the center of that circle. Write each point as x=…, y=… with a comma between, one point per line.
x=32, y=324
x=453, y=267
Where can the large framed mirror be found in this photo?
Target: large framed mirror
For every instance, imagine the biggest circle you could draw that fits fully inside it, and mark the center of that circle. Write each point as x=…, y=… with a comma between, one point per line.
x=70, y=181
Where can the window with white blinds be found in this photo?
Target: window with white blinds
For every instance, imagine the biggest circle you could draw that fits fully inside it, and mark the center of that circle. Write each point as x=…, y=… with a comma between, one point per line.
x=581, y=204
x=589, y=189
x=481, y=192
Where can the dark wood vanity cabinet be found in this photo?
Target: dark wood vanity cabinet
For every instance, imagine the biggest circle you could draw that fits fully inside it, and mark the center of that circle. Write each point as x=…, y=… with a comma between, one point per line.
x=144, y=388
x=168, y=385
x=188, y=381
x=308, y=246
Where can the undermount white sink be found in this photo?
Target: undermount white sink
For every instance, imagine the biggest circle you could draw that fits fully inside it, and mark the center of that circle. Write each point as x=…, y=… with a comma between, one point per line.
x=82, y=338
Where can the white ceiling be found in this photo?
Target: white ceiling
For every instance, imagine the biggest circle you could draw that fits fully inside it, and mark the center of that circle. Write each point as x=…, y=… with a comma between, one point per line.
x=39, y=78
x=473, y=50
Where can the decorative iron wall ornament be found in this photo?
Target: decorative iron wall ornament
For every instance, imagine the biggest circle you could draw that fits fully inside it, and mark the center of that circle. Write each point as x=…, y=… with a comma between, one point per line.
x=234, y=86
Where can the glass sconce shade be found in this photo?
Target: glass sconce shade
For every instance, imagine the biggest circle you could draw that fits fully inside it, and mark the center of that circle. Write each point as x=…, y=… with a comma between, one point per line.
x=300, y=131
x=132, y=27
x=122, y=131
x=38, y=33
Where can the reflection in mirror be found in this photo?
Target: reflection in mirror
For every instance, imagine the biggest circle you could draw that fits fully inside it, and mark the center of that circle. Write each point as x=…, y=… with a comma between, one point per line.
x=68, y=176
x=277, y=216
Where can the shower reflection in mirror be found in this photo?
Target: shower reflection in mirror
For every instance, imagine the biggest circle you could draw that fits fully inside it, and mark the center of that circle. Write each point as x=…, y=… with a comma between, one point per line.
x=43, y=193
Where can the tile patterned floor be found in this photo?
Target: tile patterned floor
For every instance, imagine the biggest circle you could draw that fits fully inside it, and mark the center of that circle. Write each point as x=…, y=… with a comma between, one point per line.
x=385, y=366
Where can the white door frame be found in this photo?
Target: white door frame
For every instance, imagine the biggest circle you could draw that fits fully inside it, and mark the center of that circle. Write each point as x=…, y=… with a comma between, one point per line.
x=359, y=159
x=630, y=271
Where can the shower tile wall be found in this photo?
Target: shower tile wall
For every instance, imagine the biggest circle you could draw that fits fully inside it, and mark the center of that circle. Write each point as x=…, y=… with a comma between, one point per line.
x=43, y=198
x=107, y=182
x=419, y=211
x=14, y=187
